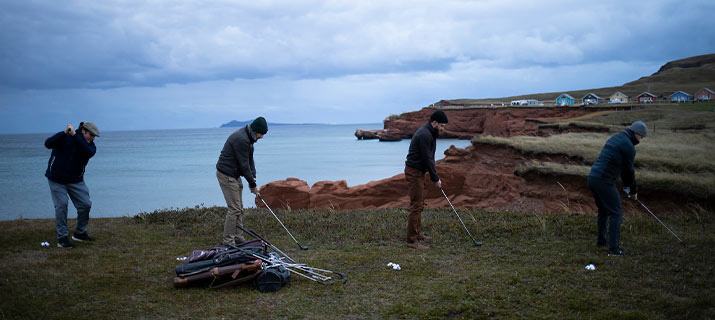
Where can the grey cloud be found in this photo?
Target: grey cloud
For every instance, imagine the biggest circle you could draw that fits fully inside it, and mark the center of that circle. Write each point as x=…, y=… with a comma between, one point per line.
x=109, y=44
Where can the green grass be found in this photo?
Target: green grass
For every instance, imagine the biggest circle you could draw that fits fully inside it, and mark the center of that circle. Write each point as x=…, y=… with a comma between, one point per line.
x=531, y=266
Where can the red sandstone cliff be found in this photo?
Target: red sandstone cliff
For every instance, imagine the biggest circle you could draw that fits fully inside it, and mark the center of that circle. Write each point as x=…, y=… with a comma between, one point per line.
x=467, y=123
x=480, y=176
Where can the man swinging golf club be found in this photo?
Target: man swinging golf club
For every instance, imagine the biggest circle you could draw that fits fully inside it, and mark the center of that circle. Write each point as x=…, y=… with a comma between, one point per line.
x=616, y=159
x=420, y=159
x=236, y=161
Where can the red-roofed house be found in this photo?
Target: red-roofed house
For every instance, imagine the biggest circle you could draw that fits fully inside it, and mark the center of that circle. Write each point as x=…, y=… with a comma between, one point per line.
x=704, y=94
x=646, y=97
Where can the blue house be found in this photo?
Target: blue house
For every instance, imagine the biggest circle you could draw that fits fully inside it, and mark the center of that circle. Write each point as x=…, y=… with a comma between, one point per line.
x=591, y=98
x=565, y=100
x=679, y=96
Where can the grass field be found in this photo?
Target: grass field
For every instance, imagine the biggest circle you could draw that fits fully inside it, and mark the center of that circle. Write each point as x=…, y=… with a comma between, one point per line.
x=531, y=266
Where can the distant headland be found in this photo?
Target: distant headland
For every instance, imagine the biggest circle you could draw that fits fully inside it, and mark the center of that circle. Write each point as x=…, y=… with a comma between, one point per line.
x=236, y=123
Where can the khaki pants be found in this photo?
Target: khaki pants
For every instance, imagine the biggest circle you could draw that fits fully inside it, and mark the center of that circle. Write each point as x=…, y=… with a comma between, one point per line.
x=416, y=191
x=232, y=189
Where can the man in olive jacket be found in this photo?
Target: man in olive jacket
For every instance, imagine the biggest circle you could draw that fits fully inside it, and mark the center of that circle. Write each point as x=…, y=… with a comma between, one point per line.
x=236, y=161
x=420, y=160
x=71, y=152
x=616, y=160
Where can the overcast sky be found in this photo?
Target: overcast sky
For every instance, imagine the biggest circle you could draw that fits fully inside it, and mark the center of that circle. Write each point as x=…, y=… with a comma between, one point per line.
x=135, y=65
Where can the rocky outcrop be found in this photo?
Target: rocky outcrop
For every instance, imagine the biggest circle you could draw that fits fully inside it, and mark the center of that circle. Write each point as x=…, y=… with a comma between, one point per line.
x=381, y=134
x=467, y=123
x=479, y=176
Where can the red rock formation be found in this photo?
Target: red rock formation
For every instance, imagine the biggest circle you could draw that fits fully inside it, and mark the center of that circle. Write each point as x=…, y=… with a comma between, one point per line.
x=466, y=123
x=480, y=176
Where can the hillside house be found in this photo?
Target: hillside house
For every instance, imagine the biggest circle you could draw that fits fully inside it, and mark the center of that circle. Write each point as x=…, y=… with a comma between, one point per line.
x=679, y=96
x=591, y=98
x=565, y=100
x=704, y=94
x=526, y=102
x=618, y=97
x=646, y=97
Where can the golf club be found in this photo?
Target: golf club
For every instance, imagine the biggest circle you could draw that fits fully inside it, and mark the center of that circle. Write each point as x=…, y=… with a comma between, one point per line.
x=302, y=247
x=661, y=222
x=476, y=243
x=256, y=236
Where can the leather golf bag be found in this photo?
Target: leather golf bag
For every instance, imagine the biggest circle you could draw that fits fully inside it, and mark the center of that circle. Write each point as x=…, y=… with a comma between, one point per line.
x=221, y=266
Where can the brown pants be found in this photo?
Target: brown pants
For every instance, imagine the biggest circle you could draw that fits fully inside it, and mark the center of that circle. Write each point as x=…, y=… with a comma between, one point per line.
x=416, y=190
x=232, y=189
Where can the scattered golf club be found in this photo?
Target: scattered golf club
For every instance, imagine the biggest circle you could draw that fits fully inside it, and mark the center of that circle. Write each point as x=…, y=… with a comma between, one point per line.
x=476, y=243
x=661, y=222
x=302, y=247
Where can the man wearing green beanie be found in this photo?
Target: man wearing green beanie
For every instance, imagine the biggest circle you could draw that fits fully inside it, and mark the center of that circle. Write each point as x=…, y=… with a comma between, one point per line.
x=236, y=161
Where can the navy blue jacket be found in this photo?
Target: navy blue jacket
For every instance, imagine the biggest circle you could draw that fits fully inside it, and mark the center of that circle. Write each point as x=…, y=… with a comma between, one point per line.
x=70, y=155
x=616, y=159
x=421, y=153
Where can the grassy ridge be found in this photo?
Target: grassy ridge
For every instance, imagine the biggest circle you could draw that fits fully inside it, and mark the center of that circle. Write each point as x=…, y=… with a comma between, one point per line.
x=677, y=156
x=532, y=265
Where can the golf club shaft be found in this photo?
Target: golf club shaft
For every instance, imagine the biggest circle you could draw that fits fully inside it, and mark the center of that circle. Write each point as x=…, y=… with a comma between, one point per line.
x=661, y=222
x=279, y=220
x=253, y=234
x=455, y=212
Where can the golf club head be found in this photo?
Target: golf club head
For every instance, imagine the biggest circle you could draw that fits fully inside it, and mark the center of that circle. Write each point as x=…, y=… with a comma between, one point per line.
x=303, y=247
x=477, y=243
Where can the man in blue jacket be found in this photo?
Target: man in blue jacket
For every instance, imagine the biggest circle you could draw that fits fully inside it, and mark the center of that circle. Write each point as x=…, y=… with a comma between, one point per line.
x=616, y=159
x=236, y=161
x=420, y=160
x=71, y=151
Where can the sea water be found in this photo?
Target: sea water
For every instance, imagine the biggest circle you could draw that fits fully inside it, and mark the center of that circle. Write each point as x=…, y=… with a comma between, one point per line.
x=142, y=171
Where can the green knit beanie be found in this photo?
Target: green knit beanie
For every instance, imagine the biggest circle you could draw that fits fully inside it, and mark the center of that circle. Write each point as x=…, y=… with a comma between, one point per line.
x=259, y=125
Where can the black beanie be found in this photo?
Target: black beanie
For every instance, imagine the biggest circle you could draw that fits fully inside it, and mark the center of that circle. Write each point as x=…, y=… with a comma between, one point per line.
x=259, y=125
x=438, y=116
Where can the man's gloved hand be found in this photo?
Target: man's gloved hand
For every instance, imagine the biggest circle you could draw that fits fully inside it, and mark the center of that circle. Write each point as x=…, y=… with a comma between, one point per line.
x=631, y=192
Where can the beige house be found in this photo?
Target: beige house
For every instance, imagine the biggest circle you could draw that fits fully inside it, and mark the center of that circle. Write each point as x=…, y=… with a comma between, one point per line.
x=618, y=97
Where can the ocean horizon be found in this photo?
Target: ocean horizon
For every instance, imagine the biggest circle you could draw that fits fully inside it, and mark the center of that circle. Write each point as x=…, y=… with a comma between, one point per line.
x=143, y=171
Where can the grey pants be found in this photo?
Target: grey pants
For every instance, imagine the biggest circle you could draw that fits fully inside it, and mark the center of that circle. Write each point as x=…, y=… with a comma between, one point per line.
x=79, y=193
x=232, y=189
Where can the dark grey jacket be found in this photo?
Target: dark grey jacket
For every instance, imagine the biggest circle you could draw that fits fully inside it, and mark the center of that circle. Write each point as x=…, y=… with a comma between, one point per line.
x=236, y=159
x=616, y=159
x=422, y=148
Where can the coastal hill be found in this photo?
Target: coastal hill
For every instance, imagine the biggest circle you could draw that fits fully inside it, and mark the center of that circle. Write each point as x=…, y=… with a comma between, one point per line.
x=688, y=75
x=472, y=117
x=536, y=159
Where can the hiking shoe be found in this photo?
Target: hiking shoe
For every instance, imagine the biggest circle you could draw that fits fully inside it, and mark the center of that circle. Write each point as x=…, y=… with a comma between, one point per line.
x=64, y=243
x=424, y=237
x=617, y=252
x=81, y=237
x=417, y=245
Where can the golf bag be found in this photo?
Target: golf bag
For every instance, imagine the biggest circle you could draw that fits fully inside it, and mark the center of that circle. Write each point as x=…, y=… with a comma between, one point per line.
x=273, y=277
x=221, y=266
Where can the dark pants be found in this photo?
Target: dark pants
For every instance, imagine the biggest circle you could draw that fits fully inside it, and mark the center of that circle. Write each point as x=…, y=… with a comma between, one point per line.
x=416, y=191
x=609, y=211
